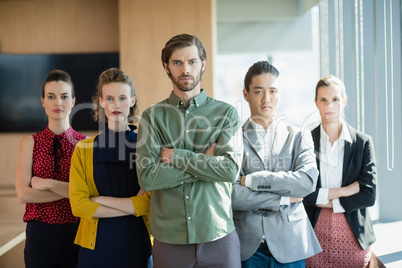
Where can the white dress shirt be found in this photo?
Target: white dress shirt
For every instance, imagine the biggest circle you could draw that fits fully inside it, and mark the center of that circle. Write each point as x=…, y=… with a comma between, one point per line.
x=331, y=166
x=265, y=141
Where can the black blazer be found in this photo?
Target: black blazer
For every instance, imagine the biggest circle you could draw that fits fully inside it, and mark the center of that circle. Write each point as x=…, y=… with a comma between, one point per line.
x=358, y=164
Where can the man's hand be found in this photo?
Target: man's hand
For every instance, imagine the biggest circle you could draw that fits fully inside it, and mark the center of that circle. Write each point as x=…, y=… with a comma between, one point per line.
x=142, y=192
x=243, y=180
x=211, y=150
x=295, y=199
x=166, y=155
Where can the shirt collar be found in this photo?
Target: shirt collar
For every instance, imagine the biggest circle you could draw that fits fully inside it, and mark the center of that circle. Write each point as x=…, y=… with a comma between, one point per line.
x=259, y=128
x=197, y=101
x=51, y=135
x=345, y=134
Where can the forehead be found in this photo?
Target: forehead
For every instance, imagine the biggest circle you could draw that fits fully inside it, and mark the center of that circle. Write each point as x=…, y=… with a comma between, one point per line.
x=329, y=91
x=116, y=89
x=266, y=80
x=57, y=87
x=185, y=53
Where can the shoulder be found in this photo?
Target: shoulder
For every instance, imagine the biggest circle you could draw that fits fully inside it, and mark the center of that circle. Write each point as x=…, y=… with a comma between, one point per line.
x=79, y=136
x=358, y=136
x=86, y=143
x=27, y=142
x=220, y=108
x=157, y=107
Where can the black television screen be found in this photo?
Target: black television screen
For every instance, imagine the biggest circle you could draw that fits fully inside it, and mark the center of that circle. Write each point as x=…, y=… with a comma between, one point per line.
x=21, y=81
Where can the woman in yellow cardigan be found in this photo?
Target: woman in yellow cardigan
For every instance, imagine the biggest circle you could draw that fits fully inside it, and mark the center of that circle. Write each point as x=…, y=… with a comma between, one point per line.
x=104, y=190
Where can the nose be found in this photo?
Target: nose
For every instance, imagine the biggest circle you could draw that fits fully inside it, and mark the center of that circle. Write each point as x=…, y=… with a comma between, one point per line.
x=267, y=97
x=57, y=101
x=186, y=68
x=116, y=104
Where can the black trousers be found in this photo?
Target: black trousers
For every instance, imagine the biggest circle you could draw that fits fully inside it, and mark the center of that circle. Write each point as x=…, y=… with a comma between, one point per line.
x=50, y=245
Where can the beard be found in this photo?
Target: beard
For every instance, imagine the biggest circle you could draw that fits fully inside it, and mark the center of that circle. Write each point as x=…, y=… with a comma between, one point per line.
x=186, y=86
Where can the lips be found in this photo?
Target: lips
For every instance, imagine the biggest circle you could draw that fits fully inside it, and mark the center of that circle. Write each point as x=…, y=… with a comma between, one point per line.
x=116, y=113
x=57, y=111
x=186, y=78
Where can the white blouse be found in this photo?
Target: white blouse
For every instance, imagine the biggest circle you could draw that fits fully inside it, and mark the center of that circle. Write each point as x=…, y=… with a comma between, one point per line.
x=331, y=166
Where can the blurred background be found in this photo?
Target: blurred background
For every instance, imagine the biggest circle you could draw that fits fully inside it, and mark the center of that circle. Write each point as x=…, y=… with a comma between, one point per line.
x=356, y=40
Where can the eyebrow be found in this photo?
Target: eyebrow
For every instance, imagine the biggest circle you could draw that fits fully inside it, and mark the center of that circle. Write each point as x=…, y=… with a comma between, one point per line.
x=260, y=87
x=64, y=93
x=193, y=59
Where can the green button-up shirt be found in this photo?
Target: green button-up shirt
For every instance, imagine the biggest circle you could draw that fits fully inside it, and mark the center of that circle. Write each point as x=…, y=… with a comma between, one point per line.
x=191, y=198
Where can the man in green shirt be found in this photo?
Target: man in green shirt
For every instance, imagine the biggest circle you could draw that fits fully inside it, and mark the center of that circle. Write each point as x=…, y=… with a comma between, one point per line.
x=189, y=153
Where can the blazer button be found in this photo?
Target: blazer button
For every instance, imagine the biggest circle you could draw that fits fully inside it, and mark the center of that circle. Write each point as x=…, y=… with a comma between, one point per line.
x=259, y=187
x=269, y=187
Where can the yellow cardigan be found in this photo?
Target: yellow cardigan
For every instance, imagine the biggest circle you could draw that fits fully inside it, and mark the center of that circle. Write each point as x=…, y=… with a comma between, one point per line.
x=82, y=187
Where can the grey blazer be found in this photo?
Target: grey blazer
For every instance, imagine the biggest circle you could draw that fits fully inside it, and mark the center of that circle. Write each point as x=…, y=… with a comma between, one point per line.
x=291, y=172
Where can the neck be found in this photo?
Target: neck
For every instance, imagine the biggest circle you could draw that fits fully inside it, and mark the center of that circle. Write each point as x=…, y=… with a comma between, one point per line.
x=118, y=126
x=187, y=96
x=58, y=126
x=333, y=130
x=264, y=122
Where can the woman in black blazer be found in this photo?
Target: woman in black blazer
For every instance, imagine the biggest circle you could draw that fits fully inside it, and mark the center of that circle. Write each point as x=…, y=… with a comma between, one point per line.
x=346, y=185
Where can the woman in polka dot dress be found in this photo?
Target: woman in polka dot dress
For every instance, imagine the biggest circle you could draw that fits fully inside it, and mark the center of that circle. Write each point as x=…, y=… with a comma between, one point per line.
x=346, y=186
x=104, y=190
x=42, y=180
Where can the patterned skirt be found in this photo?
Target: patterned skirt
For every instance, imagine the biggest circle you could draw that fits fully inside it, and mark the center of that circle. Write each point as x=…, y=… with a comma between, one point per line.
x=340, y=247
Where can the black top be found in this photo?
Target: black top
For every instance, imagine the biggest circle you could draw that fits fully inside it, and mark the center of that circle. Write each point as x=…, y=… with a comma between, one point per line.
x=121, y=241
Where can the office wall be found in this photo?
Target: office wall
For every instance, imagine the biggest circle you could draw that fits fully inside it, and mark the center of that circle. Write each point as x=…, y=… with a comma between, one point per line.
x=145, y=27
x=63, y=26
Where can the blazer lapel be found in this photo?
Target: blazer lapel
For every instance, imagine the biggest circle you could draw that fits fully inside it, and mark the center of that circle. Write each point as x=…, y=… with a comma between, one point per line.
x=281, y=134
x=250, y=135
x=316, y=134
x=348, y=152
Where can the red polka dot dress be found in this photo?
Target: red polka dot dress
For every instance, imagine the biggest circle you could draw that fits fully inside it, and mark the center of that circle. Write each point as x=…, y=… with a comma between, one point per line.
x=52, y=159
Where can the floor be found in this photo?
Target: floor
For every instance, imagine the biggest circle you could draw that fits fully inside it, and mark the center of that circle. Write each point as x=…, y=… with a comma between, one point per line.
x=388, y=246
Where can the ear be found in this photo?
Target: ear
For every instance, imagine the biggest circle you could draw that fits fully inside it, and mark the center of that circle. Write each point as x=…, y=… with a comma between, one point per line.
x=133, y=101
x=204, y=65
x=345, y=101
x=315, y=101
x=73, y=102
x=42, y=100
x=166, y=68
x=245, y=94
x=101, y=102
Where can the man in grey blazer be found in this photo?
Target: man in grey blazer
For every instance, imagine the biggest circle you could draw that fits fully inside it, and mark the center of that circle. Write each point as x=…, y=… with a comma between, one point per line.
x=278, y=170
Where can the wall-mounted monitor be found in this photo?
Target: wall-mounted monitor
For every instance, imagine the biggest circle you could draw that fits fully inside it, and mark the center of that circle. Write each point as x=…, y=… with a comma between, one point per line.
x=21, y=81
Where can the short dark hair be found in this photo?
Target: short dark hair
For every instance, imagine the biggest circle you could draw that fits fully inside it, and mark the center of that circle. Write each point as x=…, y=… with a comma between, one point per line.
x=181, y=41
x=260, y=67
x=56, y=76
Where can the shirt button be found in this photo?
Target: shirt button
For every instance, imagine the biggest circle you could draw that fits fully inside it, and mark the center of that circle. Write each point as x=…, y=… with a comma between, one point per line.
x=189, y=218
x=187, y=131
x=186, y=196
x=187, y=112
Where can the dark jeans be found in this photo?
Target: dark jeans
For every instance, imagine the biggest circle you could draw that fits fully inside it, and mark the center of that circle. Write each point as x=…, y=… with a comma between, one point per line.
x=261, y=259
x=50, y=245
